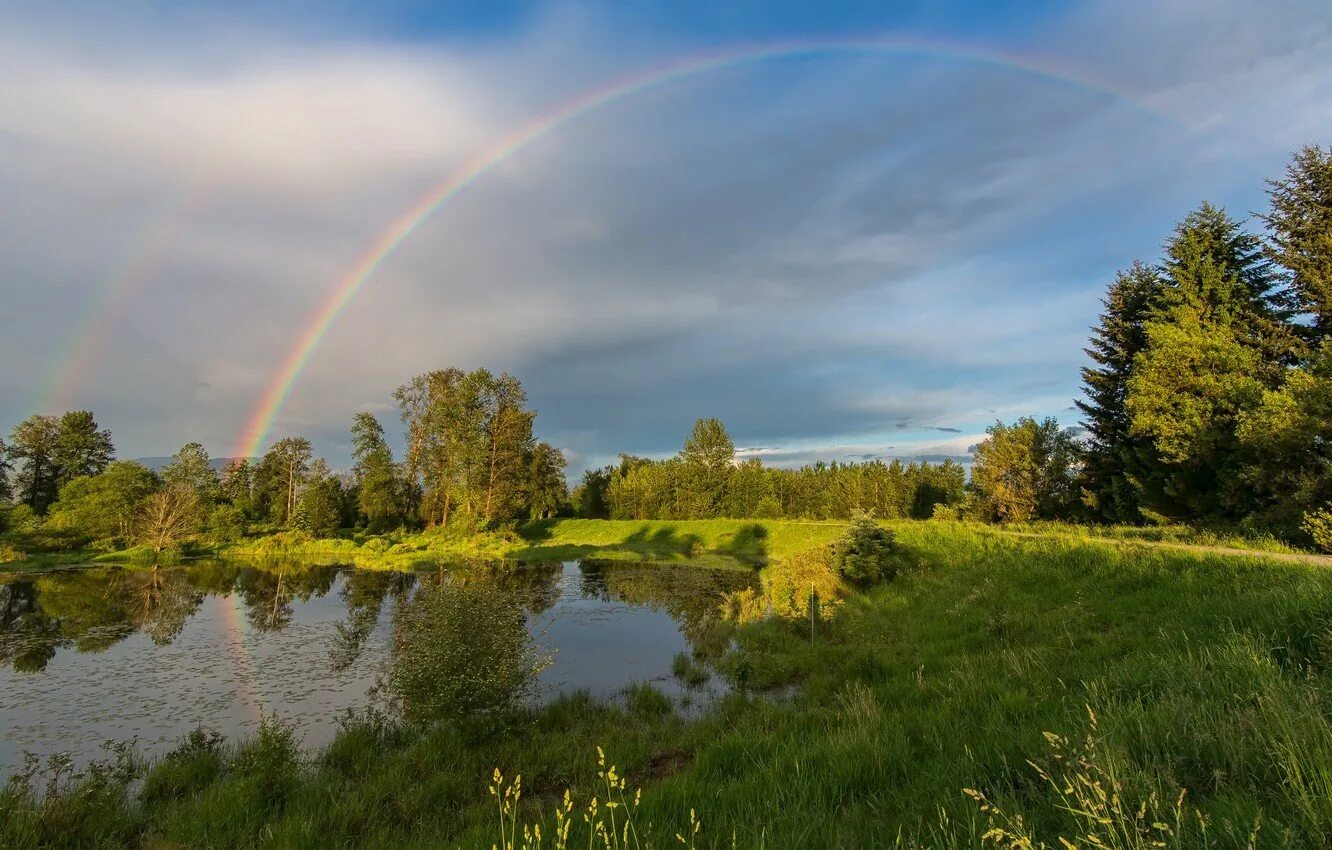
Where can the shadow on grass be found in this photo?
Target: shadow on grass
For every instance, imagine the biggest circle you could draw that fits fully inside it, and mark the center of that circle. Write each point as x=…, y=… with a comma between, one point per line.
x=649, y=541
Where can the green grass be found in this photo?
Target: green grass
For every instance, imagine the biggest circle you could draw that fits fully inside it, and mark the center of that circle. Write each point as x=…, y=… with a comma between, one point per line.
x=1206, y=674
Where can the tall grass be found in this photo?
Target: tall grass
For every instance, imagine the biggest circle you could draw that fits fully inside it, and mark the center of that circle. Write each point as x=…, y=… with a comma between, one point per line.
x=1208, y=677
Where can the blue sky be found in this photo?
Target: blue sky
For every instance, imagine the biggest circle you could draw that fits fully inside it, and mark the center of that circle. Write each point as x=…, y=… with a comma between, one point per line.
x=842, y=255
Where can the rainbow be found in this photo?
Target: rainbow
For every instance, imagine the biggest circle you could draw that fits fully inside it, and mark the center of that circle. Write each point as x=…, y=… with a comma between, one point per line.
x=234, y=627
x=261, y=419
x=140, y=266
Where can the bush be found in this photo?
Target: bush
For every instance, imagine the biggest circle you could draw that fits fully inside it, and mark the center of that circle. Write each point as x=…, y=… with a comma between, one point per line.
x=864, y=554
x=462, y=652
x=1318, y=525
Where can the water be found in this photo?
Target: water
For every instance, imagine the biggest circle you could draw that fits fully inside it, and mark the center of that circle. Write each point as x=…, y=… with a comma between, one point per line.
x=103, y=654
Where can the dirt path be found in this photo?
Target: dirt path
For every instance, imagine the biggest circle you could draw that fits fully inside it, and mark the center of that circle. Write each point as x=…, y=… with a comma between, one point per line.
x=1290, y=557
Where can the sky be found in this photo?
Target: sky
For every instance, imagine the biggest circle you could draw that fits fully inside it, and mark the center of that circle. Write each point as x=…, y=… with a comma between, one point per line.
x=844, y=251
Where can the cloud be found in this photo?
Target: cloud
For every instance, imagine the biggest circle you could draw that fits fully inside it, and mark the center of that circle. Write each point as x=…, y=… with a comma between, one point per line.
x=831, y=254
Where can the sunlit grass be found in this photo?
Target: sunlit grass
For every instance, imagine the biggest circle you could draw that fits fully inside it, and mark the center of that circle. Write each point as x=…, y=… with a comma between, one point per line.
x=1208, y=676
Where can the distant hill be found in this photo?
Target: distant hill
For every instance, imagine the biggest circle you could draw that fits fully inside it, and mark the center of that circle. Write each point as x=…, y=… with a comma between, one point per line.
x=157, y=464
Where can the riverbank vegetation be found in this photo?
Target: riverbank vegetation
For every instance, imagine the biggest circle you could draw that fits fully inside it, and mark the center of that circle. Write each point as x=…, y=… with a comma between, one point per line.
x=880, y=723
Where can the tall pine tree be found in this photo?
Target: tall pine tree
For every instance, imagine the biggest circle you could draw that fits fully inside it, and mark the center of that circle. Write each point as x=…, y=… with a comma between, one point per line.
x=1300, y=218
x=1216, y=337
x=1111, y=454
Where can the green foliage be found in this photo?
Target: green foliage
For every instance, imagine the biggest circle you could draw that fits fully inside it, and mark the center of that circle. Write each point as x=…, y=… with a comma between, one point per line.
x=191, y=468
x=319, y=506
x=865, y=552
x=1300, y=218
x=1318, y=525
x=470, y=449
x=282, y=473
x=380, y=496
x=227, y=523
x=80, y=448
x=1024, y=471
x=31, y=452
x=461, y=653
x=1109, y=458
x=103, y=505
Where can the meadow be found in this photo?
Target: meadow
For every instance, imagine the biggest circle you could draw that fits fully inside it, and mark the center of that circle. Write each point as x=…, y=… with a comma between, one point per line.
x=1015, y=691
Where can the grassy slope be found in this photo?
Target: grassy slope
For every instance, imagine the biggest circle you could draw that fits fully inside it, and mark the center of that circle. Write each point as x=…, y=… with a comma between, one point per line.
x=1205, y=672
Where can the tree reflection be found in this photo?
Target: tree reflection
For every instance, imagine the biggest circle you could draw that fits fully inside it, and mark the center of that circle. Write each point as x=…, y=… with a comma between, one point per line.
x=158, y=601
x=364, y=592
x=694, y=598
x=28, y=635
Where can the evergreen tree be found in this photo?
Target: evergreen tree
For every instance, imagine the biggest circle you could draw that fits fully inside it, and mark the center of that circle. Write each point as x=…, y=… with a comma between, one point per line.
x=1300, y=219
x=1215, y=340
x=32, y=450
x=1110, y=455
x=237, y=486
x=318, y=509
x=80, y=448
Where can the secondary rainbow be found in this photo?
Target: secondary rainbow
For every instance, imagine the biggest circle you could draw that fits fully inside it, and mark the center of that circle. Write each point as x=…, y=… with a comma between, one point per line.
x=141, y=264
x=289, y=370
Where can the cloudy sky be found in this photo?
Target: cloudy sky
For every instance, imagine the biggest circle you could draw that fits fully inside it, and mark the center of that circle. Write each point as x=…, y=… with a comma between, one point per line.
x=842, y=253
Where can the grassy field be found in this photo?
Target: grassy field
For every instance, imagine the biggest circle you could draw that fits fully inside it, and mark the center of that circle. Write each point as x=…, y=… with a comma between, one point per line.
x=1167, y=696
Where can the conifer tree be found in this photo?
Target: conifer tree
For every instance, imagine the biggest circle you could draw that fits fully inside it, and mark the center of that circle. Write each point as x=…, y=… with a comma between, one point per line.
x=1300, y=219
x=1216, y=337
x=80, y=447
x=1110, y=455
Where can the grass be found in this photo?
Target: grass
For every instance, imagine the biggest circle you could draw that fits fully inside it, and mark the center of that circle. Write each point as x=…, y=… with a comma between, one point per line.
x=1207, y=676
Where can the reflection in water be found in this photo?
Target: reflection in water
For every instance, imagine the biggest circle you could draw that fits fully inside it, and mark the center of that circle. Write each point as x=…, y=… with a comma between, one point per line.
x=108, y=653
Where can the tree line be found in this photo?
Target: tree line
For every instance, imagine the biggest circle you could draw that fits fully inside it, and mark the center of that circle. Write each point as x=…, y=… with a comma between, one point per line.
x=704, y=481
x=471, y=459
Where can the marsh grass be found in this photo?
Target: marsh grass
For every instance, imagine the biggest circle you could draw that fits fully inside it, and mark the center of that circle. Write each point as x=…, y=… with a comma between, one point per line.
x=1207, y=674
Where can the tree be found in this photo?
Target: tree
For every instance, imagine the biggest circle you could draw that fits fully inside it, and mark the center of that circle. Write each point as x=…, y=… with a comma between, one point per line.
x=378, y=489
x=1287, y=443
x=167, y=518
x=1214, y=340
x=32, y=448
x=104, y=505
x=80, y=448
x=1109, y=457
x=191, y=468
x=284, y=469
x=708, y=456
x=237, y=487
x=547, y=489
x=1025, y=471
x=1300, y=219
x=319, y=508
x=590, y=496
x=6, y=492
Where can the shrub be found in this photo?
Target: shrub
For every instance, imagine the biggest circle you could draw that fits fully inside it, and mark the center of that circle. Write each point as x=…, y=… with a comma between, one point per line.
x=462, y=652
x=864, y=554
x=1318, y=525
